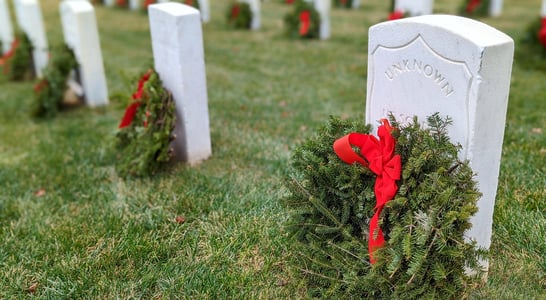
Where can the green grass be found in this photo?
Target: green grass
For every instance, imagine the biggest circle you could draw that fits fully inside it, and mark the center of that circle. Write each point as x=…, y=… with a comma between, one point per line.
x=94, y=235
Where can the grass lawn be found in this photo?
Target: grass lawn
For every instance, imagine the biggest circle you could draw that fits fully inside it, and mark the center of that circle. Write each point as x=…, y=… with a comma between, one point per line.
x=71, y=228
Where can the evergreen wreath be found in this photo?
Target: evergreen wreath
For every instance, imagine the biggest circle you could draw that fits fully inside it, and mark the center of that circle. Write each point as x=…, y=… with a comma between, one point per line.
x=239, y=15
x=146, y=130
x=18, y=61
x=49, y=91
x=344, y=3
x=531, y=52
x=303, y=22
x=475, y=8
x=331, y=203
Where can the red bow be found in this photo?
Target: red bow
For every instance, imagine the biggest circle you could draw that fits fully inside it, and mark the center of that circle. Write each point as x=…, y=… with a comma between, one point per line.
x=542, y=33
x=235, y=10
x=395, y=15
x=378, y=156
x=472, y=5
x=131, y=110
x=305, y=22
x=4, y=59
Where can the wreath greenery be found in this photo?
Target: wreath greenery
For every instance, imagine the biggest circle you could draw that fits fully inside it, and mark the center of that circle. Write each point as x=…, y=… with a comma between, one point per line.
x=475, y=8
x=344, y=3
x=303, y=22
x=146, y=130
x=531, y=52
x=331, y=203
x=18, y=61
x=49, y=91
x=239, y=15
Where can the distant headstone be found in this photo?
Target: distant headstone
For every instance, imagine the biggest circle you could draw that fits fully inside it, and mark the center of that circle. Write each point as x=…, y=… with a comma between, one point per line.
x=543, y=9
x=82, y=36
x=458, y=67
x=6, y=29
x=134, y=4
x=29, y=18
x=355, y=4
x=323, y=7
x=204, y=9
x=495, y=8
x=109, y=2
x=414, y=7
x=177, y=44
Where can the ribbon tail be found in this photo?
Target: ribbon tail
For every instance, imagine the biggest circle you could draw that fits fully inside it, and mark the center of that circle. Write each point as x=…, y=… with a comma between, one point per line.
x=376, y=240
x=344, y=150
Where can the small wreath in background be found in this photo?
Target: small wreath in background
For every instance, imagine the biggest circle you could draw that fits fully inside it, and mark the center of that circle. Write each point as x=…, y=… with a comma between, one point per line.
x=303, y=22
x=49, y=91
x=239, y=15
x=331, y=203
x=18, y=62
x=344, y=3
x=475, y=8
x=146, y=129
x=531, y=51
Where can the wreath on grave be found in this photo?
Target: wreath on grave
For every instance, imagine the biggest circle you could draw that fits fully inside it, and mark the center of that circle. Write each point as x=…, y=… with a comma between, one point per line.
x=122, y=3
x=531, y=52
x=475, y=8
x=239, y=15
x=50, y=90
x=146, y=129
x=344, y=3
x=18, y=62
x=303, y=22
x=382, y=218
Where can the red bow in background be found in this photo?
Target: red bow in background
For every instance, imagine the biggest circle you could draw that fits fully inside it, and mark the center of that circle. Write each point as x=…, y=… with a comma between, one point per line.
x=305, y=22
x=4, y=59
x=131, y=110
x=542, y=33
x=377, y=155
x=472, y=5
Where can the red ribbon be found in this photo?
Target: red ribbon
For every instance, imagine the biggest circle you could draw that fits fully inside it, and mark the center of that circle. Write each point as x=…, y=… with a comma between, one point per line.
x=305, y=22
x=235, y=10
x=148, y=3
x=189, y=2
x=4, y=59
x=289, y=1
x=542, y=33
x=472, y=5
x=131, y=110
x=395, y=15
x=377, y=155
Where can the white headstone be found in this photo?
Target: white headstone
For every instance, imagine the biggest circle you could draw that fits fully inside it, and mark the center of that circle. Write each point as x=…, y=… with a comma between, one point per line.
x=495, y=8
x=356, y=4
x=179, y=58
x=255, y=9
x=458, y=67
x=134, y=4
x=29, y=18
x=543, y=9
x=414, y=7
x=109, y=2
x=323, y=8
x=6, y=29
x=204, y=9
x=82, y=36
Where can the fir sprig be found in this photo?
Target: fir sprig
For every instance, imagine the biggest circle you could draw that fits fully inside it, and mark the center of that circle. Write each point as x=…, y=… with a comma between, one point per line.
x=332, y=202
x=144, y=145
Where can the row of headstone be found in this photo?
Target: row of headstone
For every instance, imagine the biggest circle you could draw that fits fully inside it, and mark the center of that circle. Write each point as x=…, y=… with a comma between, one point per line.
x=80, y=34
x=462, y=66
x=425, y=7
